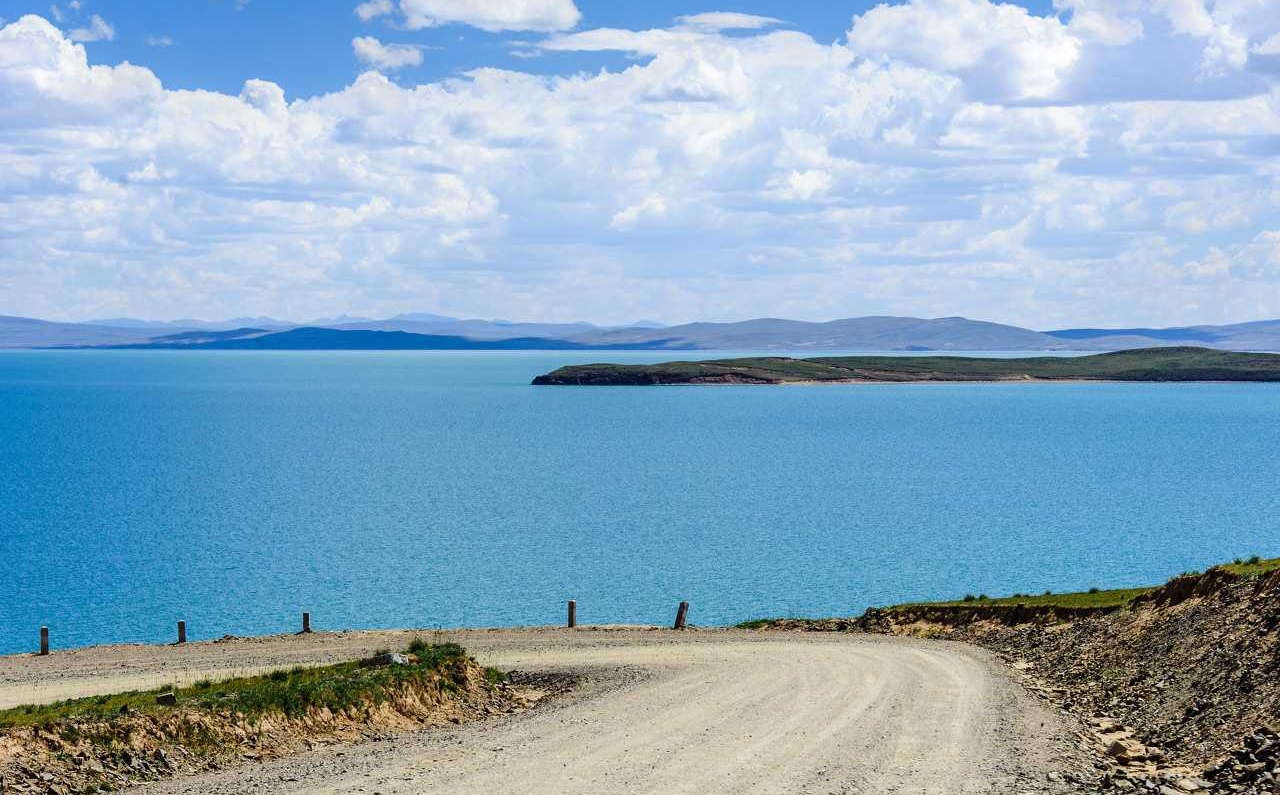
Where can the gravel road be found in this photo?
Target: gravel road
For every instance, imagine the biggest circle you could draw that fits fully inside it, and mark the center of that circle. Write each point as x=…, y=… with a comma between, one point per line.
x=701, y=711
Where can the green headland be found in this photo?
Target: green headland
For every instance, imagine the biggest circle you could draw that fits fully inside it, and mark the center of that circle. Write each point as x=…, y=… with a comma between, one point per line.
x=1147, y=364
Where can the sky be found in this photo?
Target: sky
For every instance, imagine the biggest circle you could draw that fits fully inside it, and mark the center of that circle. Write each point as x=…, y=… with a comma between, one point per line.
x=1049, y=164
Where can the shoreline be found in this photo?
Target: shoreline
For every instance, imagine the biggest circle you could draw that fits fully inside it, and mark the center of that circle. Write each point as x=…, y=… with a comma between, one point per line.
x=948, y=382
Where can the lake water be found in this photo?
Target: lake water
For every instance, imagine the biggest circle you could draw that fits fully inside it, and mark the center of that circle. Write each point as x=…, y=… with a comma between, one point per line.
x=236, y=489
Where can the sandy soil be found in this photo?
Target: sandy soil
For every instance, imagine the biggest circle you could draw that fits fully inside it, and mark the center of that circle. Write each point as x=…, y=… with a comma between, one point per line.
x=703, y=711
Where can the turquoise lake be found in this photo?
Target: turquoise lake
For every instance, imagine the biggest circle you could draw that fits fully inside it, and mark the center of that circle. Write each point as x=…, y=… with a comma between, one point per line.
x=236, y=489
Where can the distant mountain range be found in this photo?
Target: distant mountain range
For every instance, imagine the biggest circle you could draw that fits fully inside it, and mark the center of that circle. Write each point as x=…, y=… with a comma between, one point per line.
x=424, y=331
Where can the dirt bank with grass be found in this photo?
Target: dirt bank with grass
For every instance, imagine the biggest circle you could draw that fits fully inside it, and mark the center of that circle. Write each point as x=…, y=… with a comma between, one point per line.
x=114, y=740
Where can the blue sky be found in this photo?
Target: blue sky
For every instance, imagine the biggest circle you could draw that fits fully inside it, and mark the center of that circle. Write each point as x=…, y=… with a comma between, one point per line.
x=1074, y=162
x=218, y=44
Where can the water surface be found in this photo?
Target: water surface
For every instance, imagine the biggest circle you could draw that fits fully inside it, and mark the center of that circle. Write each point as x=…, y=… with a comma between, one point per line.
x=236, y=489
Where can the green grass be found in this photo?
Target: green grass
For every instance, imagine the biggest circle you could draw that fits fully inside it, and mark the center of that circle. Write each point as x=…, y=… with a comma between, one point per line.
x=291, y=692
x=1148, y=364
x=1093, y=598
x=1252, y=567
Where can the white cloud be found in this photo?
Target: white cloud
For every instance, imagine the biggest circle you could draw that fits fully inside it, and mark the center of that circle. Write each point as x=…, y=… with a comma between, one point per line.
x=1269, y=47
x=374, y=8
x=649, y=208
x=387, y=57
x=159, y=41
x=726, y=20
x=1003, y=51
x=98, y=29
x=805, y=185
x=758, y=173
x=492, y=15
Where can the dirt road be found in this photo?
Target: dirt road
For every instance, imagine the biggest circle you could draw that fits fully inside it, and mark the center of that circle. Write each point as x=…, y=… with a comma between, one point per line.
x=656, y=712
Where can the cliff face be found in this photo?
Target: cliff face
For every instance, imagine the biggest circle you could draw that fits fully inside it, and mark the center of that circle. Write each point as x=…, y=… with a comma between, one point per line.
x=1194, y=666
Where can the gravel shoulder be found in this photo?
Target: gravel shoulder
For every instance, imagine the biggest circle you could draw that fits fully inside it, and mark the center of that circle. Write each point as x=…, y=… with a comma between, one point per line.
x=655, y=711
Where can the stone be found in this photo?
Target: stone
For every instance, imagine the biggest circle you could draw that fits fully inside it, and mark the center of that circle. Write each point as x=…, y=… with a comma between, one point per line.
x=169, y=699
x=1127, y=751
x=390, y=658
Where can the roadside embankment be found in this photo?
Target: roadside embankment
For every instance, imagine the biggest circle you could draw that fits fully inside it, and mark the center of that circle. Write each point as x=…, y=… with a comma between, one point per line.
x=1181, y=683
x=111, y=741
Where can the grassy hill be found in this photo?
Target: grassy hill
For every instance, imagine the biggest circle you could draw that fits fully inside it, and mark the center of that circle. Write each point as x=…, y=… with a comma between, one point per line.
x=1147, y=364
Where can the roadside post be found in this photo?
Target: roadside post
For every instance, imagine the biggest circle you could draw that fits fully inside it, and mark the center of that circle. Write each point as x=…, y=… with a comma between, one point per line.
x=681, y=614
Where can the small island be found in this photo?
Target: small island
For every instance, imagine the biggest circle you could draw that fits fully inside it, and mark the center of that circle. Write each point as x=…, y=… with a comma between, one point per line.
x=1146, y=364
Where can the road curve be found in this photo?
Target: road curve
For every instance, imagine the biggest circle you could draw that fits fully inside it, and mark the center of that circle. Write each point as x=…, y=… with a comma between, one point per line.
x=665, y=712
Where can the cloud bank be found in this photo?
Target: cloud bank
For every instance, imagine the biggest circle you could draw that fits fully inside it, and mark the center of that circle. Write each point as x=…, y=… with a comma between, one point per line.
x=1114, y=163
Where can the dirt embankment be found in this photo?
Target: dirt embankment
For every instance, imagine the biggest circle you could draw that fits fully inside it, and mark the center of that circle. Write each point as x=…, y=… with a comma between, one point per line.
x=1182, y=685
x=104, y=753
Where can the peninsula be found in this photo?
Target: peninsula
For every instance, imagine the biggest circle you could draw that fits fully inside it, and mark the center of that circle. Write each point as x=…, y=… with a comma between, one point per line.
x=1147, y=364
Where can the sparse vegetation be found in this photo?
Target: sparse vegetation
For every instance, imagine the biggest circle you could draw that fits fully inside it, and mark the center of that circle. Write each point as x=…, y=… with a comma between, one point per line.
x=1117, y=597
x=1094, y=597
x=292, y=692
x=765, y=623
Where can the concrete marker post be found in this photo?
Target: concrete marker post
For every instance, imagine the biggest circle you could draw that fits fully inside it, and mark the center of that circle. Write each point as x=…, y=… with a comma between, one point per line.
x=44, y=641
x=182, y=632
x=573, y=613
x=306, y=623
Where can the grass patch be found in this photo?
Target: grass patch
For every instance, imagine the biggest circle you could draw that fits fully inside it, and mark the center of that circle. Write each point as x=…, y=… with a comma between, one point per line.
x=1094, y=598
x=765, y=623
x=1252, y=567
x=292, y=692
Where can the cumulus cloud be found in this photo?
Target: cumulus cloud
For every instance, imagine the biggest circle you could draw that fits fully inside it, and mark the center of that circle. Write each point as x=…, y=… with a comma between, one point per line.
x=930, y=164
x=374, y=8
x=387, y=57
x=490, y=15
